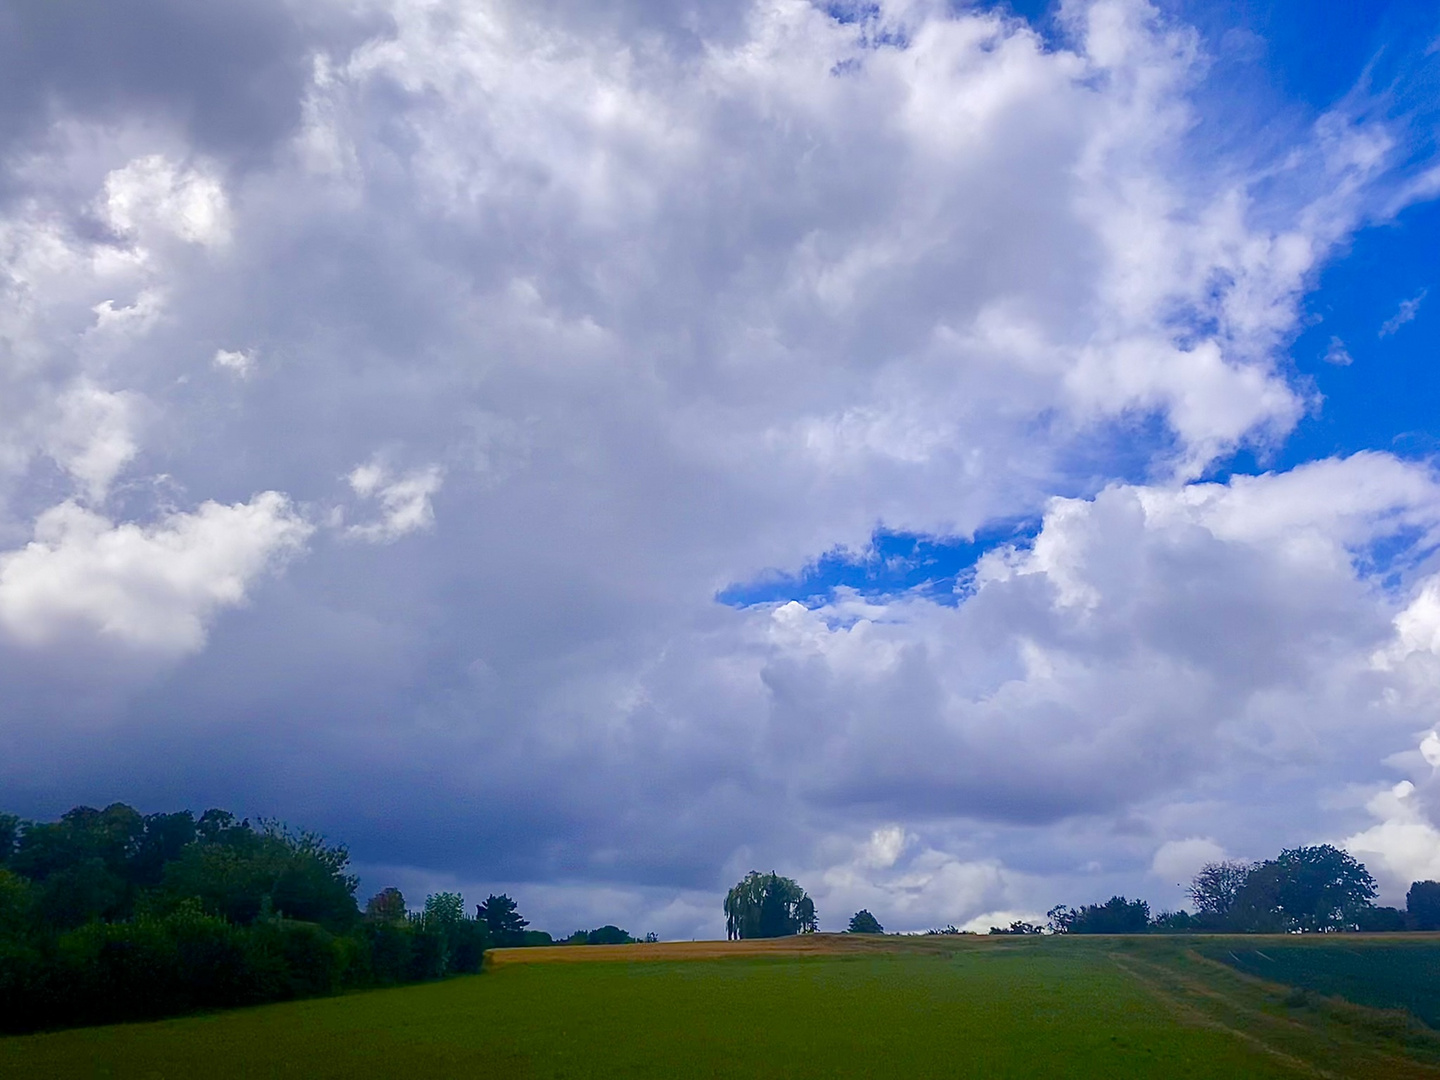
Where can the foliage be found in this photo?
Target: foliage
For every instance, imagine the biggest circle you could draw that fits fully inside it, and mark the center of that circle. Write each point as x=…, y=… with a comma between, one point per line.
x=1307, y=889
x=1019, y=926
x=768, y=906
x=112, y=915
x=1422, y=903
x=502, y=918
x=9, y=834
x=602, y=935
x=862, y=922
x=1116, y=916
x=386, y=906
x=1178, y=922
x=1217, y=886
x=1380, y=920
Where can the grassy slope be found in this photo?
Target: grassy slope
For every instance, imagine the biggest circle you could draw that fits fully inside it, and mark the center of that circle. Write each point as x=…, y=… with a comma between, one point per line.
x=951, y=1008
x=1386, y=973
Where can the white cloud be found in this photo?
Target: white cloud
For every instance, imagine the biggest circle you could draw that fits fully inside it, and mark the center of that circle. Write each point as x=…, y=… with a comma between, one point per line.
x=152, y=589
x=1338, y=354
x=1407, y=312
x=1181, y=860
x=239, y=363
x=93, y=437
x=1403, y=847
x=675, y=305
x=153, y=194
x=404, y=500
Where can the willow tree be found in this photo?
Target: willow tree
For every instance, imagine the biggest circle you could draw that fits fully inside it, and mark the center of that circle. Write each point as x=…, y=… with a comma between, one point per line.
x=766, y=906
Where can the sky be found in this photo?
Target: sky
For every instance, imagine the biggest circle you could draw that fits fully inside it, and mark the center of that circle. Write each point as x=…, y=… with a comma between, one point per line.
x=965, y=457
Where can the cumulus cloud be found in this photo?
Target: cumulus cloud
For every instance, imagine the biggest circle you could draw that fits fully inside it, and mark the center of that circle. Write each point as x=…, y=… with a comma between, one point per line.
x=151, y=589
x=1403, y=846
x=93, y=437
x=404, y=500
x=239, y=363
x=1183, y=859
x=152, y=195
x=667, y=297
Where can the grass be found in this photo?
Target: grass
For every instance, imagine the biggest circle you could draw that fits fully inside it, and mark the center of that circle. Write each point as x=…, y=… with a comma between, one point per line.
x=822, y=1007
x=1384, y=973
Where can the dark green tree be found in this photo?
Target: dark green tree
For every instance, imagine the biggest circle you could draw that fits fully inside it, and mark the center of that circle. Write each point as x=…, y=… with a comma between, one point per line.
x=768, y=905
x=502, y=919
x=1216, y=887
x=862, y=922
x=1019, y=927
x=388, y=905
x=608, y=935
x=1116, y=916
x=1422, y=902
x=1305, y=888
x=445, y=909
x=163, y=839
x=17, y=905
x=240, y=873
x=9, y=836
x=1380, y=920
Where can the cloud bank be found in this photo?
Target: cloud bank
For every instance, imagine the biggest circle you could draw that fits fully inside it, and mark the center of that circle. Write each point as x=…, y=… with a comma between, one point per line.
x=534, y=327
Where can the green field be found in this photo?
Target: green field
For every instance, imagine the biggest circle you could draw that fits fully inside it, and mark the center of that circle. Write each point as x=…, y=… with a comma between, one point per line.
x=1385, y=974
x=959, y=1007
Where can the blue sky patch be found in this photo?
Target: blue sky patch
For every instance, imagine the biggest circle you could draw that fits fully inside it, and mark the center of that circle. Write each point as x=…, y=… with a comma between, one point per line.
x=935, y=567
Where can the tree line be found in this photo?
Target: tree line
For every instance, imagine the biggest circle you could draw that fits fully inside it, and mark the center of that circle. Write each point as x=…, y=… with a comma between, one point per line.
x=110, y=915
x=1317, y=889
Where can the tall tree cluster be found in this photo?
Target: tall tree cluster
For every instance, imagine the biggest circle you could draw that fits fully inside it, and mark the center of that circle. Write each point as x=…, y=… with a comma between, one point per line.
x=768, y=906
x=116, y=915
x=1302, y=890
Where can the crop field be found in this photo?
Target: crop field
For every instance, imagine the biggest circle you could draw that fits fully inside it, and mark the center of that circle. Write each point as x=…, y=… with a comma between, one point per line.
x=822, y=1006
x=1385, y=974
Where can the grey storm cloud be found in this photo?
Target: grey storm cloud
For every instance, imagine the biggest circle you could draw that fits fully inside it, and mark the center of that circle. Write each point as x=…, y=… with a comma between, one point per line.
x=230, y=74
x=389, y=390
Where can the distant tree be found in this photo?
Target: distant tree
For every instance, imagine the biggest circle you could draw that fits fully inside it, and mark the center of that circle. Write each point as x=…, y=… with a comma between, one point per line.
x=608, y=935
x=862, y=922
x=1019, y=926
x=1216, y=887
x=17, y=908
x=81, y=863
x=445, y=909
x=242, y=873
x=1380, y=920
x=1178, y=922
x=805, y=919
x=1305, y=888
x=163, y=839
x=1423, y=904
x=388, y=905
x=502, y=918
x=1116, y=916
x=767, y=906
x=9, y=836
x=462, y=941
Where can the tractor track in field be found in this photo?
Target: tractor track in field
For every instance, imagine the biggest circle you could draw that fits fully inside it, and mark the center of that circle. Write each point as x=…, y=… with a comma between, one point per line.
x=1240, y=1012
